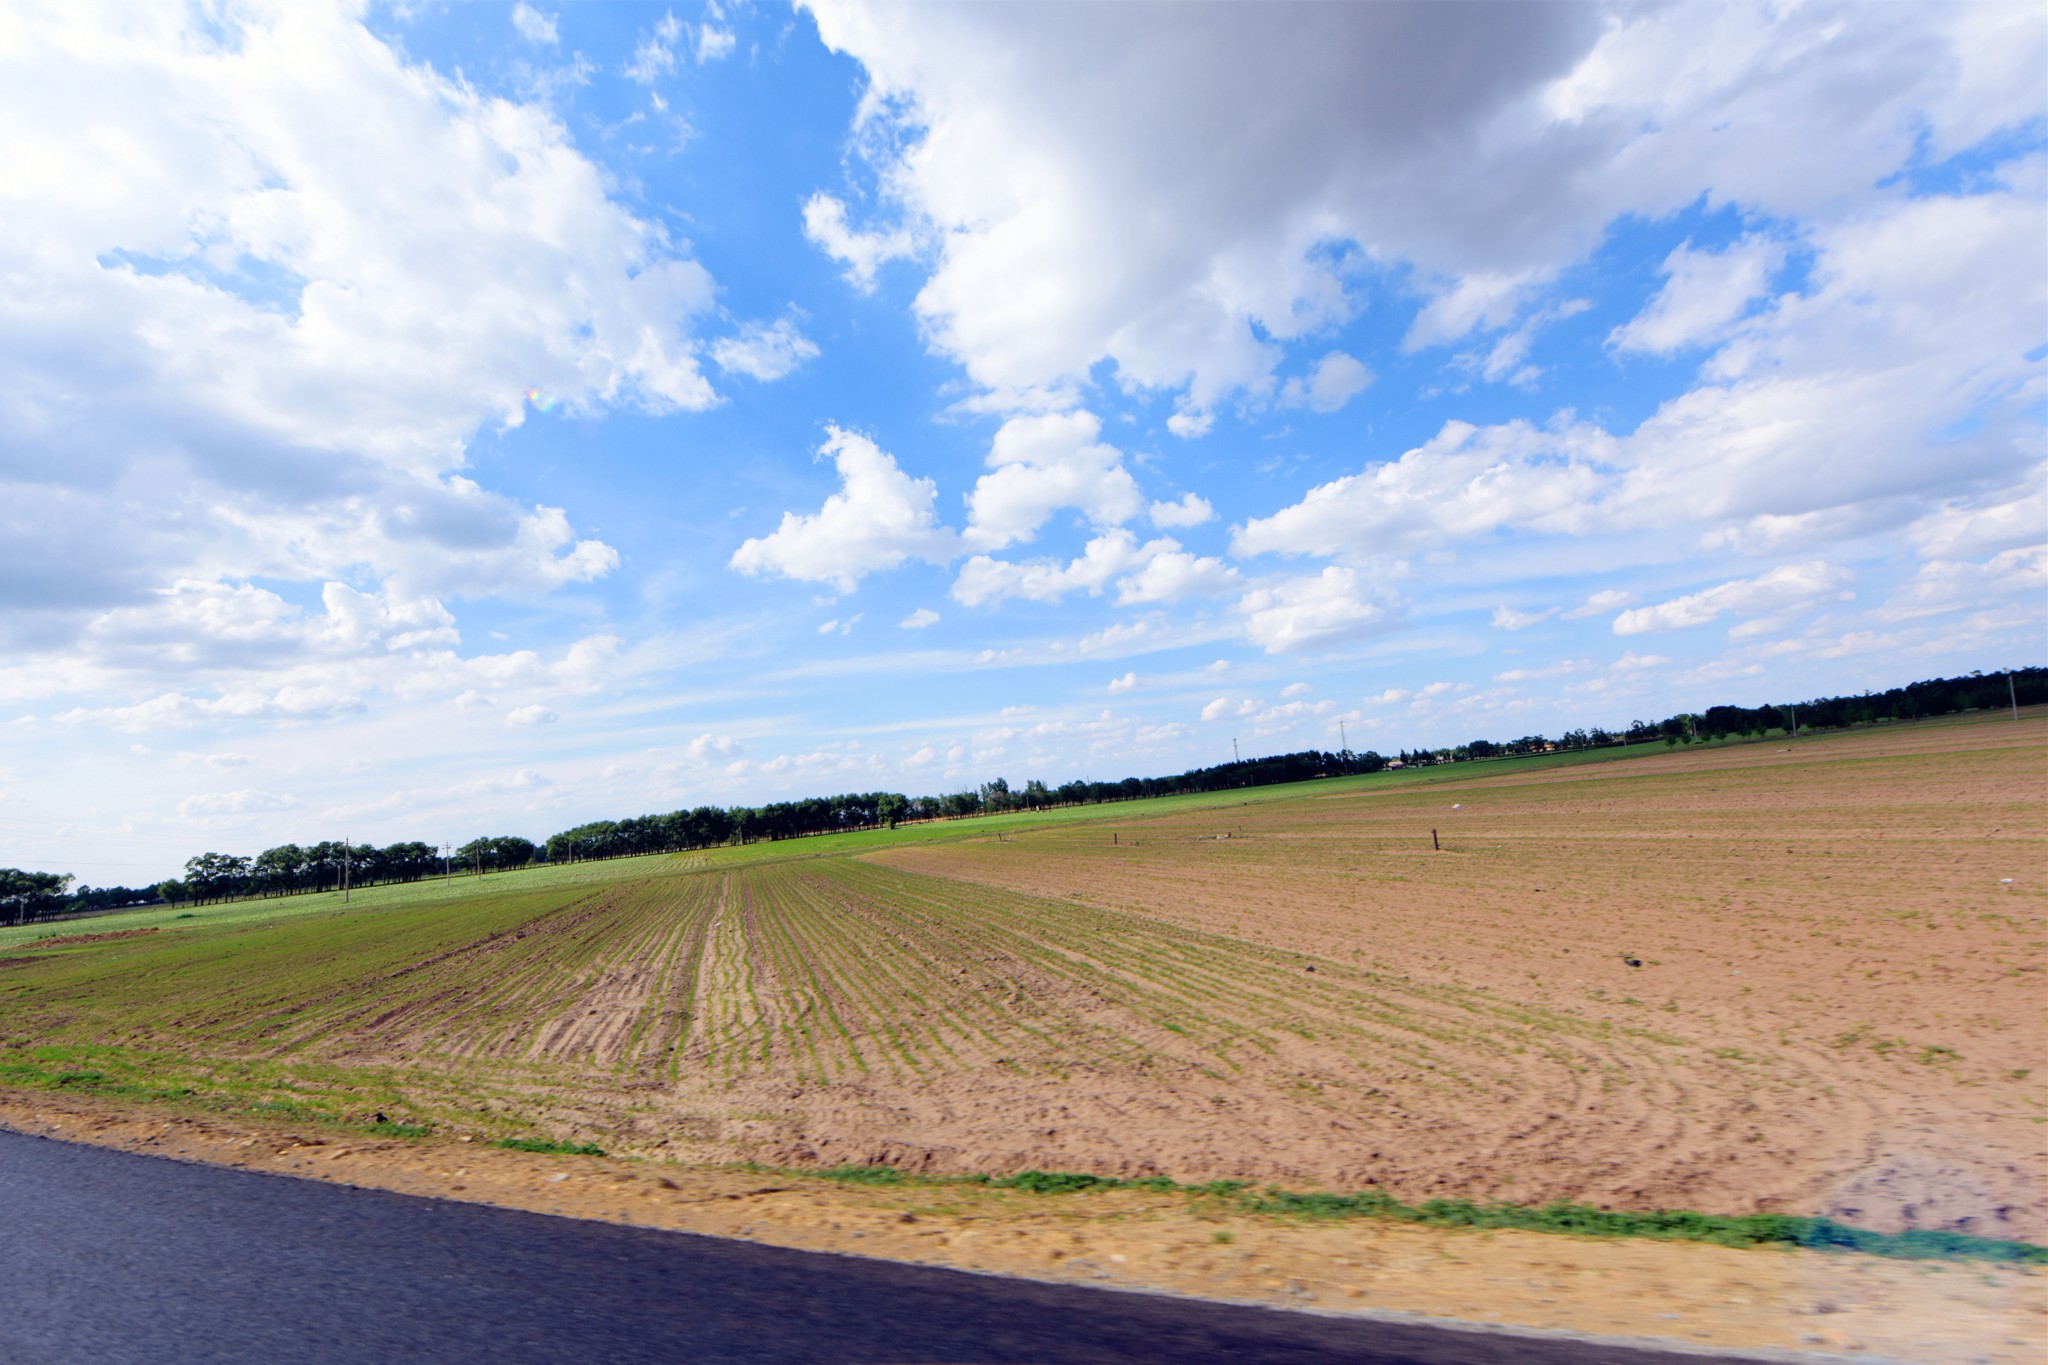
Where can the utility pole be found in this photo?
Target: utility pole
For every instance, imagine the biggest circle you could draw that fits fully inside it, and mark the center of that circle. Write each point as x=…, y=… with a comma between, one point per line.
x=447, y=871
x=344, y=869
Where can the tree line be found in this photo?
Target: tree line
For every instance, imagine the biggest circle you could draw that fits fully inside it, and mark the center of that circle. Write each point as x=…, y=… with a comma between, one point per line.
x=292, y=869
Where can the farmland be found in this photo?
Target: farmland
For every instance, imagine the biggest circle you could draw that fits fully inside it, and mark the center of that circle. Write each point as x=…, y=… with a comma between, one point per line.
x=1798, y=977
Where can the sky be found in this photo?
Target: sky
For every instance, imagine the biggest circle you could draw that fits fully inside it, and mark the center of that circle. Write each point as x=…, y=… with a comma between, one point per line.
x=436, y=420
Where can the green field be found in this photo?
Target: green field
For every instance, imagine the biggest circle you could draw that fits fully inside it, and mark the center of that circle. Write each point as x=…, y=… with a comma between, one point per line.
x=436, y=891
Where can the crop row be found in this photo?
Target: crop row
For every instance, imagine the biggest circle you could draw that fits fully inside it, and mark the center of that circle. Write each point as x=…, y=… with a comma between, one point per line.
x=818, y=970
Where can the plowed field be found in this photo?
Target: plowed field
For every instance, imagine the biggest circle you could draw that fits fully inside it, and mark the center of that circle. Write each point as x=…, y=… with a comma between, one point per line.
x=1752, y=978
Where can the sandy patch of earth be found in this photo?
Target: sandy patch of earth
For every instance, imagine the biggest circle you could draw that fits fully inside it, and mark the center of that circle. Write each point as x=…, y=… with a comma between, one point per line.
x=1848, y=932
x=1823, y=1305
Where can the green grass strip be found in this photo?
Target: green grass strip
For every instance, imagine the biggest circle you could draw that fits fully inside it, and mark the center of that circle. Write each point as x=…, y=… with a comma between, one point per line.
x=548, y=1148
x=1671, y=1225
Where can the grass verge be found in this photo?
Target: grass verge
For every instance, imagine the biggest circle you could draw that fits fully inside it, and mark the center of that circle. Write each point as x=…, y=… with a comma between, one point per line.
x=546, y=1147
x=1667, y=1225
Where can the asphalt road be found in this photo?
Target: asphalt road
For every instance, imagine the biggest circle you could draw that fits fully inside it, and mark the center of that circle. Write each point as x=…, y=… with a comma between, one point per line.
x=108, y=1258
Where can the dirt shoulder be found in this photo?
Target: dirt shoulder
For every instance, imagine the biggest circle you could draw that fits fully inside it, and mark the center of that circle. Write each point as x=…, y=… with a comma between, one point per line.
x=1764, y=1301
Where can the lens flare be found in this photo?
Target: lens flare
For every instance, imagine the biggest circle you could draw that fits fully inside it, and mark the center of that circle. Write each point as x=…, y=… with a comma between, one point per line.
x=542, y=402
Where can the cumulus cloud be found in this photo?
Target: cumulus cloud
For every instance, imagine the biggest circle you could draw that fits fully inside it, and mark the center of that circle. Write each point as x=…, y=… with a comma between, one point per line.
x=1703, y=292
x=1040, y=465
x=1090, y=154
x=1333, y=381
x=1170, y=574
x=1464, y=483
x=526, y=716
x=984, y=579
x=1481, y=299
x=1788, y=589
x=764, y=351
x=1094, y=200
x=1126, y=683
x=919, y=619
x=1899, y=339
x=1156, y=571
x=1314, y=611
x=704, y=748
x=199, y=624
x=879, y=518
x=1190, y=509
x=862, y=253
x=263, y=335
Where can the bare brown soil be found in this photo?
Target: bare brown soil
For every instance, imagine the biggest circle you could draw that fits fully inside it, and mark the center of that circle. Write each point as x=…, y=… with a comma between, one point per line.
x=1839, y=941
x=1709, y=1297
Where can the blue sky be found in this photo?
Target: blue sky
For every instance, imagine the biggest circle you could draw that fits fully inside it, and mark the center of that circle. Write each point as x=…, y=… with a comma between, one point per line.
x=436, y=420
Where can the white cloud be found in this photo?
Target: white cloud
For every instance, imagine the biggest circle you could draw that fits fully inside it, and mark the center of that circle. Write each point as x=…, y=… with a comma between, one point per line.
x=984, y=580
x=655, y=56
x=1191, y=424
x=532, y=25
x=1127, y=683
x=836, y=627
x=245, y=802
x=1507, y=618
x=1041, y=464
x=1156, y=571
x=764, y=351
x=1092, y=199
x=1171, y=574
x=714, y=43
x=1481, y=299
x=1309, y=612
x=1464, y=483
x=1785, y=590
x=862, y=253
x=1608, y=599
x=1944, y=585
x=176, y=710
x=525, y=716
x=705, y=748
x=1703, y=292
x=919, y=619
x=262, y=336
x=1226, y=708
x=2001, y=520
x=1334, y=381
x=1835, y=413
x=1293, y=690
x=1190, y=509
x=879, y=518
